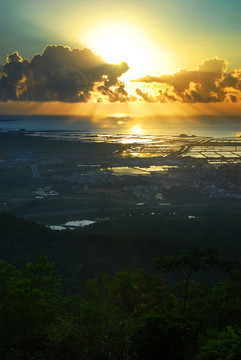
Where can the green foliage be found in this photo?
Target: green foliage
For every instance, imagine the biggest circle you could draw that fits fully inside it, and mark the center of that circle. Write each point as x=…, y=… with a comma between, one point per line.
x=193, y=261
x=225, y=345
x=127, y=289
x=130, y=315
x=198, y=261
x=158, y=336
x=223, y=306
x=43, y=276
x=113, y=245
x=28, y=305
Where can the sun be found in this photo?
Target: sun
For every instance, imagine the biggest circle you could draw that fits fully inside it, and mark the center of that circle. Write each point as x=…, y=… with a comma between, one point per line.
x=137, y=130
x=117, y=42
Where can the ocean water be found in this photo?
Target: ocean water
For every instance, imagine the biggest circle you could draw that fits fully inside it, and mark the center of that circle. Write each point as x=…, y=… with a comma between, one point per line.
x=202, y=126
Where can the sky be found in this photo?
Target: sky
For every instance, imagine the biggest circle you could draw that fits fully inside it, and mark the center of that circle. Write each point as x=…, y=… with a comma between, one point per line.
x=120, y=57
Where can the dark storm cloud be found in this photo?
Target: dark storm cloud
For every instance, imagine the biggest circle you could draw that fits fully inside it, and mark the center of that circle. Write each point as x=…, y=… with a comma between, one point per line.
x=59, y=74
x=209, y=83
x=117, y=94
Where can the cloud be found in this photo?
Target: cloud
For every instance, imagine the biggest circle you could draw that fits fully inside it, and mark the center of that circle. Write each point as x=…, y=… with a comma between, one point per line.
x=116, y=94
x=64, y=75
x=214, y=65
x=208, y=84
x=147, y=98
x=59, y=74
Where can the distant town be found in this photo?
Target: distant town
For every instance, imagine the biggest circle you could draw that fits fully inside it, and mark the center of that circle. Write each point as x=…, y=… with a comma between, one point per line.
x=51, y=173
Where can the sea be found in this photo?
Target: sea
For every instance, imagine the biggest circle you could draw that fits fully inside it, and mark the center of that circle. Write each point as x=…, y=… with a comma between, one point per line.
x=205, y=126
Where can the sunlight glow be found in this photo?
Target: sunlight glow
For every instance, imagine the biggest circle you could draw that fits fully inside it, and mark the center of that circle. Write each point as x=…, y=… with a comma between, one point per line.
x=117, y=42
x=137, y=130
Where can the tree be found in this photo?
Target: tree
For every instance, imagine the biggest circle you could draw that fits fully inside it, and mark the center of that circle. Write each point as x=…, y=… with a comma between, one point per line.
x=28, y=306
x=163, y=336
x=225, y=345
x=223, y=307
x=198, y=261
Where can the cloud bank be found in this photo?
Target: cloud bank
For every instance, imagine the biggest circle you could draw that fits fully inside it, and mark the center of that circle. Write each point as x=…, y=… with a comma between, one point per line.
x=59, y=74
x=64, y=75
x=210, y=83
